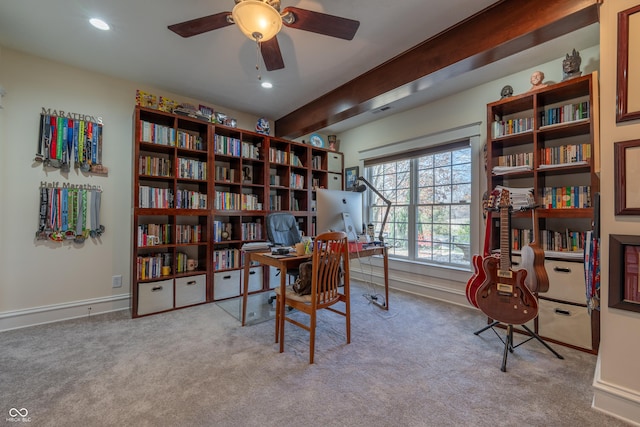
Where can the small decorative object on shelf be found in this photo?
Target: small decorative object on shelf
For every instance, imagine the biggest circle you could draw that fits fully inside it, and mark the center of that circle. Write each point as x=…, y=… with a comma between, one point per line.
x=571, y=65
x=263, y=126
x=208, y=112
x=333, y=139
x=506, y=92
x=226, y=233
x=316, y=140
x=537, y=80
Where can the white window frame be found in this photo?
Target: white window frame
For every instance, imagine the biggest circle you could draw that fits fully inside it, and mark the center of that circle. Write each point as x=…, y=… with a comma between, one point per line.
x=470, y=132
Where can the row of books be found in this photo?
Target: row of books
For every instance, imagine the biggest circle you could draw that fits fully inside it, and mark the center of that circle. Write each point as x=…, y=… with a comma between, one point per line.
x=236, y=201
x=565, y=113
x=226, y=174
x=218, y=228
x=149, y=267
x=275, y=202
x=153, y=197
x=154, y=234
x=567, y=154
x=566, y=197
x=558, y=241
x=316, y=162
x=251, y=231
x=519, y=159
x=296, y=181
x=189, y=233
x=224, y=259
x=227, y=145
x=187, y=199
x=154, y=166
x=278, y=156
x=157, y=134
x=511, y=126
x=192, y=169
x=190, y=140
x=295, y=160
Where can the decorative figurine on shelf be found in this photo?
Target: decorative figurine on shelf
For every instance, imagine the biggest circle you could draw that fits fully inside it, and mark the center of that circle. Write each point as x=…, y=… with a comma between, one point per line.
x=571, y=65
x=537, y=80
x=506, y=92
x=263, y=126
x=226, y=233
x=332, y=142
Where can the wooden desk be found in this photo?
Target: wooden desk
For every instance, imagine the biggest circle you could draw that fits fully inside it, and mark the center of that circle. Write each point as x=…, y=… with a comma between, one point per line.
x=286, y=262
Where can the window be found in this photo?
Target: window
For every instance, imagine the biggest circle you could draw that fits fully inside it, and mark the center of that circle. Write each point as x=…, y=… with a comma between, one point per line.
x=430, y=194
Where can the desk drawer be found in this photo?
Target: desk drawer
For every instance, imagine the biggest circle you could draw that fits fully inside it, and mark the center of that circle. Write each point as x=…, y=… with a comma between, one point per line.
x=566, y=323
x=226, y=284
x=191, y=290
x=155, y=296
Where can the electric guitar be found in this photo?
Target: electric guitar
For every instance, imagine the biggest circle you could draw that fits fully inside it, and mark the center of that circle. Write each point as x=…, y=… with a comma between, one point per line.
x=479, y=276
x=537, y=279
x=503, y=296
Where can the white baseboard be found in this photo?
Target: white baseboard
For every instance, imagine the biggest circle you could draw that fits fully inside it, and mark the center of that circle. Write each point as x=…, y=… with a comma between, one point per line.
x=614, y=400
x=56, y=312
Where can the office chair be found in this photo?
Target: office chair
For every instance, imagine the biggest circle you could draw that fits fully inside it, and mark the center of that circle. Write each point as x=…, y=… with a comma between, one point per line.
x=282, y=229
x=330, y=259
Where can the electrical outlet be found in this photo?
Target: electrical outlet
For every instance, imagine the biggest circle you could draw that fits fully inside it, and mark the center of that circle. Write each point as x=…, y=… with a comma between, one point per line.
x=116, y=281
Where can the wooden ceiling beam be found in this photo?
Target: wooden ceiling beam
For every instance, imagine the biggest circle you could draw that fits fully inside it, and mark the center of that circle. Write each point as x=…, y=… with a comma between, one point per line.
x=501, y=30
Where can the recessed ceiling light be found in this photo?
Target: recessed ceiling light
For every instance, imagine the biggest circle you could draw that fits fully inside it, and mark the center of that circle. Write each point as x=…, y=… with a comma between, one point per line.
x=99, y=24
x=267, y=85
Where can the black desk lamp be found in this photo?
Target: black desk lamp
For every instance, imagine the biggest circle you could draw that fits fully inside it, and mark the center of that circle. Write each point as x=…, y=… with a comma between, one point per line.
x=361, y=189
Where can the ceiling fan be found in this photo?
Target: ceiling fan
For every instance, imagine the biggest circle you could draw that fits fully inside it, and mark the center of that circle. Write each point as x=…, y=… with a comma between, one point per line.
x=261, y=20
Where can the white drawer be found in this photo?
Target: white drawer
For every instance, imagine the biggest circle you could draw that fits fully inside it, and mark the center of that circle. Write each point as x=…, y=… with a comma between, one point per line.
x=226, y=284
x=334, y=181
x=566, y=281
x=191, y=290
x=334, y=162
x=255, y=279
x=155, y=296
x=274, y=277
x=566, y=323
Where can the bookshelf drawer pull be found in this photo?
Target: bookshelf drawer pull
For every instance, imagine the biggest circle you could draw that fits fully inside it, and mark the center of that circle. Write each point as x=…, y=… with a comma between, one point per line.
x=156, y=289
x=562, y=312
x=226, y=277
x=191, y=282
x=562, y=269
x=252, y=272
x=515, y=263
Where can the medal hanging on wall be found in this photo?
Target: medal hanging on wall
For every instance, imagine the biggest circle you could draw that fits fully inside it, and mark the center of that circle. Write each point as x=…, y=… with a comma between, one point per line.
x=64, y=214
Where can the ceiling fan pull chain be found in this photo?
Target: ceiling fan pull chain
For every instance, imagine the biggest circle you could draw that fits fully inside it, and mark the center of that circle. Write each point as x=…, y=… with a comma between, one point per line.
x=258, y=58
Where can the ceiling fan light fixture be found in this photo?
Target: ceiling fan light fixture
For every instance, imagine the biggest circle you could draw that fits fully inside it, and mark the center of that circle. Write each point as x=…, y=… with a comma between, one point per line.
x=257, y=19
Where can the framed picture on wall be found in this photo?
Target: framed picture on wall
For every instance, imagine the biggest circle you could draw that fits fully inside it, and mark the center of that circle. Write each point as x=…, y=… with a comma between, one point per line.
x=628, y=88
x=624, y=277
x=351, y=177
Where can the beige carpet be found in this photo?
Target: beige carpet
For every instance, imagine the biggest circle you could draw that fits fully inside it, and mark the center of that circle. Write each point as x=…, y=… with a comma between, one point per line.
x=418, y=365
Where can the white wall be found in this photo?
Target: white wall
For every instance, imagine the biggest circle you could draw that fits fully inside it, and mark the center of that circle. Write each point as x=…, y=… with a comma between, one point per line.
x=43, y=281
x=617, y=381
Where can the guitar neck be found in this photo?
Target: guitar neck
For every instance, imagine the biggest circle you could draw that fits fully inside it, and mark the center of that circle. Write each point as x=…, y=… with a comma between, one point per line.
x=505, y=246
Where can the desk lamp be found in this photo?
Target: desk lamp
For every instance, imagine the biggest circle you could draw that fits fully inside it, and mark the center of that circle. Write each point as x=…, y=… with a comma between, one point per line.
x=361, y=189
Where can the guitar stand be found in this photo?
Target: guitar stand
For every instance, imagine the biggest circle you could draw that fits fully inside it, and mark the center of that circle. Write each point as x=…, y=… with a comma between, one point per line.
x=508, y=341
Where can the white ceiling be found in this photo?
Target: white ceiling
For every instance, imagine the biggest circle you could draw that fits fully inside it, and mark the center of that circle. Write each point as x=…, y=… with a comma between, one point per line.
x=219, y=66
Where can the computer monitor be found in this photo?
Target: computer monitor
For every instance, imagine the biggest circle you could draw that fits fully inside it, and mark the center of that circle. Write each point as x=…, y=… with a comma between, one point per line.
x=338, y=210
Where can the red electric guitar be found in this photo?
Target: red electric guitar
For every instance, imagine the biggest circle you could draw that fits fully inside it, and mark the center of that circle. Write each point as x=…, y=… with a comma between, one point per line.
x=479, y=276
x=503, y=295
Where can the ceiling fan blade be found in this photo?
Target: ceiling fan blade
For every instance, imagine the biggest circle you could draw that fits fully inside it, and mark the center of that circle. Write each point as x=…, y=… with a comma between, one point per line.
x=201, y=25
x=271, y=54
x=321, y=23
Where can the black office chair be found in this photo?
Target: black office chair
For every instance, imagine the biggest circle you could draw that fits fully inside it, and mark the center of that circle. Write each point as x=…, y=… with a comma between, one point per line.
x=282, y=229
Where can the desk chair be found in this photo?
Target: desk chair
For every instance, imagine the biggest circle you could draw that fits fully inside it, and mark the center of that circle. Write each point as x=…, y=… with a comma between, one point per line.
x=282, y=229
x=330, y=258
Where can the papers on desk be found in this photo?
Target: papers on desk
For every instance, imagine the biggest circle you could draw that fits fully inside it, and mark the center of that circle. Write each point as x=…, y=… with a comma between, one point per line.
x=256, y=246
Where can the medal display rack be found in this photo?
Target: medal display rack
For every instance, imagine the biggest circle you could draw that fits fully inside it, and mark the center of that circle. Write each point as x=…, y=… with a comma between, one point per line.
x=66, y=142
x=69, y=213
